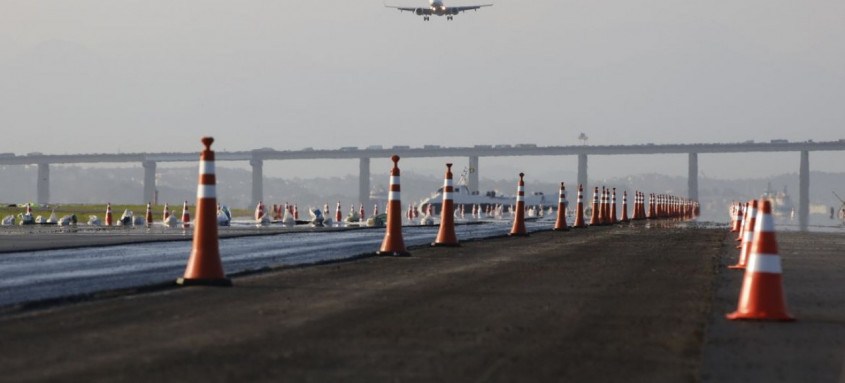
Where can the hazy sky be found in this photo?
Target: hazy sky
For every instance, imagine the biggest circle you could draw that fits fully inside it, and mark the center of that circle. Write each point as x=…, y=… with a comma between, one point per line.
x=107, y=76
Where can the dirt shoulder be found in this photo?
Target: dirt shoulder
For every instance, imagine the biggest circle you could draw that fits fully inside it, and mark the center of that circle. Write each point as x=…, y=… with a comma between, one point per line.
x=602, y=304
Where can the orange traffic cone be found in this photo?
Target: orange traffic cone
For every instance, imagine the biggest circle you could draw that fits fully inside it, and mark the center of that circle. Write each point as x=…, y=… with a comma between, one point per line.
x=624, y=207
x=762, y=295
x=743, y=225
x=579, y=210
x=362, y=213
x=109, y=220
x=446, y=234
x=594, y=217
x=518, y=228
x=148, y=216
x=165, y=213
x=737, y=222
x=338, y=216
x=748, y=236
x=613, y=207
x=186, y=216
x=560, y=223
x=393, y=244
x=204, y=266
x=259, y=211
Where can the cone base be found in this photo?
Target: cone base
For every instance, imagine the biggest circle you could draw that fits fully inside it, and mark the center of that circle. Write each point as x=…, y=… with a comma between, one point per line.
x=518, y=234
x=579, y=227
x=561, y=229
x=781, y=317
x=393, y=253
x=219, y=282
x=737, y=267
x=445, y=244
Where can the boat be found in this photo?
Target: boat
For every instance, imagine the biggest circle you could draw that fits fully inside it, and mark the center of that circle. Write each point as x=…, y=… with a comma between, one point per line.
x=462, y=195
x=781, y=202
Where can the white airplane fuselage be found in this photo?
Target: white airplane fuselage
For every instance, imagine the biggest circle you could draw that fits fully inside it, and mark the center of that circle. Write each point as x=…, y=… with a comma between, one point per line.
x=437, y=7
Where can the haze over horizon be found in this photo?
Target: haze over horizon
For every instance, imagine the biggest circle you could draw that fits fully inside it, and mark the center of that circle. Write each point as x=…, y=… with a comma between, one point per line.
x=147, y=76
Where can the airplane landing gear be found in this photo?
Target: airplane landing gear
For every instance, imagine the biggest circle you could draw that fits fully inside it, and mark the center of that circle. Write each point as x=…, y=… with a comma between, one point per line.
x=448, y=17
x=425, y=18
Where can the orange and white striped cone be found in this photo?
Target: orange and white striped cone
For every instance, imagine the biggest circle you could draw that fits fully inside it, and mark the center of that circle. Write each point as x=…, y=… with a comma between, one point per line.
x=747, y=237
x=737, y=217
x=446, y=234
x=594, y=217
x=165, y=214
x=624, y=217
x=518, y=228
x=613, y=207
x=148, y=216
x=295, y=212
x=741, y=233
x=375, y=210
x=109, y=219
x=362, y=213
x=638, y=208
x=204, y=266
x=393, y=244
x=186, y=216
x=259, y=211
x=28, y=208
x=338, y=216
x=652, y=209
x=762, y=296
x=602, y=206
x=579, y=210
x=560, y=222
x=635, y=212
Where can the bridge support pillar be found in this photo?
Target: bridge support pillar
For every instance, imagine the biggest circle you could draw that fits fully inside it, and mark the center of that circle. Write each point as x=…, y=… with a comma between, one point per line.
x=257, y=181
x=364, y=183
x=692, y=178
x=472, y=176
x=804, y=191
x=43, y=184
x=582, y=174
x=149, y=182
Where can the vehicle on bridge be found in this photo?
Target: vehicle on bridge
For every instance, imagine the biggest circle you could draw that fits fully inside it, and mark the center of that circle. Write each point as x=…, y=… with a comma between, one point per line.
x=437, y=8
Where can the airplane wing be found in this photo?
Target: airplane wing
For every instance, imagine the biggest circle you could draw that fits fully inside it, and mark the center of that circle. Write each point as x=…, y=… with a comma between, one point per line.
x=456, y=10
x=401, y=9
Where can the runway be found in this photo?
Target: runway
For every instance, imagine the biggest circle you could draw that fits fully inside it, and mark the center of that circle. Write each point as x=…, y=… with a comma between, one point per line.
x=91, y=261
x=616, y=303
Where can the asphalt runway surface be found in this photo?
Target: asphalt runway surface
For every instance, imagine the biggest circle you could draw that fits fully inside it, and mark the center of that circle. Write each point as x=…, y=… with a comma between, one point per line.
x=621, y=303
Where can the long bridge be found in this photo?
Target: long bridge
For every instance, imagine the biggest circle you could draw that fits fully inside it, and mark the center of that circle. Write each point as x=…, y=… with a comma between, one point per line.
x=256, y=159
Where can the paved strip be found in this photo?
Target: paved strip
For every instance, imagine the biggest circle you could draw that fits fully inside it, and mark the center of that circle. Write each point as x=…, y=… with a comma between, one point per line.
x=602, y=304
x=811, y=349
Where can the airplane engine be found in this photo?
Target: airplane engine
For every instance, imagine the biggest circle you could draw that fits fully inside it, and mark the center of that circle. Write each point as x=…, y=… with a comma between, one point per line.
x=419, y=11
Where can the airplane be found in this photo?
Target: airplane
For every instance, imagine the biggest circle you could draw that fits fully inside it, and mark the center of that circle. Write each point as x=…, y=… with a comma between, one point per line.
x=437, y=8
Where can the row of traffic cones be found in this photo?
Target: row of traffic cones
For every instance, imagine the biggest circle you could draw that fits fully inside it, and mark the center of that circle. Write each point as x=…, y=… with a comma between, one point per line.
x=761, y=296
x=148, y=216
x=205, y=267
